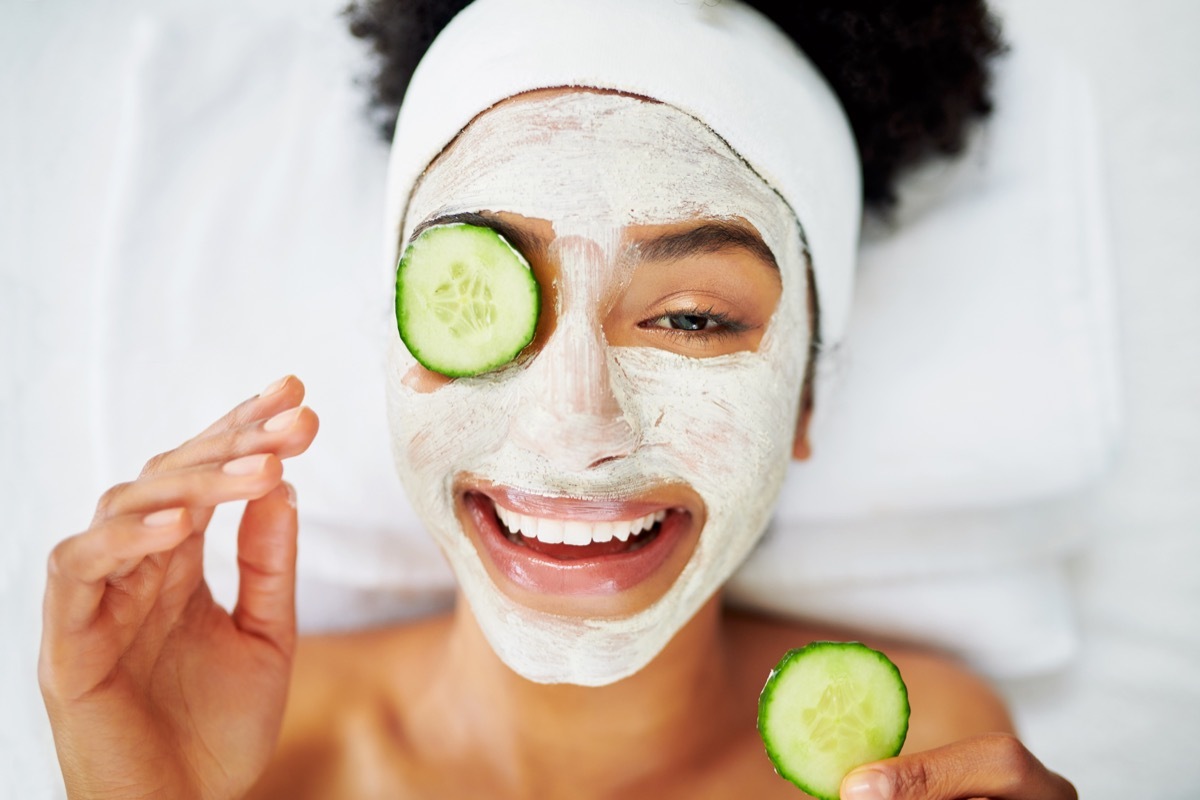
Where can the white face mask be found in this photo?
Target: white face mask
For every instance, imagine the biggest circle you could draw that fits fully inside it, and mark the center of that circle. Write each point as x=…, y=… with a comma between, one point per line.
x=607, y=426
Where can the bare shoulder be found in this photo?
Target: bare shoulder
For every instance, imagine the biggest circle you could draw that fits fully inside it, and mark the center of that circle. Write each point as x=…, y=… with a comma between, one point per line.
x=948, y=700
x=342, y=705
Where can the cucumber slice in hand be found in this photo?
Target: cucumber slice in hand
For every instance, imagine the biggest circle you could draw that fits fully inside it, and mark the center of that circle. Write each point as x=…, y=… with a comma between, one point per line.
x=466, y=300
x=830, y=707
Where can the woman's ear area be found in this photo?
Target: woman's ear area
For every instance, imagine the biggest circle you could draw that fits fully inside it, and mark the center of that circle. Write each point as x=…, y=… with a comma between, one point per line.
x=800, y=447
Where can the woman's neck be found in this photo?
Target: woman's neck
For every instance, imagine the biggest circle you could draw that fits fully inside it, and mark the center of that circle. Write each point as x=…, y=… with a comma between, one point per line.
x=550, y=740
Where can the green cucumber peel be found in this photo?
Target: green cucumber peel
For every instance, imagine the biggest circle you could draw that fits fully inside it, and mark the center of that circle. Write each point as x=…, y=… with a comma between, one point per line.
x=829, y=707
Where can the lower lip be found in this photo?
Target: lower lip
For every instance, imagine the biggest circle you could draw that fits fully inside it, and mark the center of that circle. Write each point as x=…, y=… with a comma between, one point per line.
x=575, y=576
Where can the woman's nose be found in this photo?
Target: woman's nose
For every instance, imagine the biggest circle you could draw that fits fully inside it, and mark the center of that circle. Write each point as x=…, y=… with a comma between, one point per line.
x=569, y=412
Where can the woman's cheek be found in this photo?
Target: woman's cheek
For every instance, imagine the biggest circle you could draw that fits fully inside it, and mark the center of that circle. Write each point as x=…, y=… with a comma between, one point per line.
x=447, y=429
x=714, y=416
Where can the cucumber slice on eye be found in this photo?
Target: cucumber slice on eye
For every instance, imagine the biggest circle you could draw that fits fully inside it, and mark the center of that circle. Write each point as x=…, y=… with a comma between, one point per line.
x=830, y=707
x=466, y=300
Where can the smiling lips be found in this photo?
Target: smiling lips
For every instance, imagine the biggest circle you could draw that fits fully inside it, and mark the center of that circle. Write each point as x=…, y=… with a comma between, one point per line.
x=550, y=554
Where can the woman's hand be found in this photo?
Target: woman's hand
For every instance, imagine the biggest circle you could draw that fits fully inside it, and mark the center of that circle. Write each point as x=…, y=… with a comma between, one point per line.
x=994, y=765
x=153, y=689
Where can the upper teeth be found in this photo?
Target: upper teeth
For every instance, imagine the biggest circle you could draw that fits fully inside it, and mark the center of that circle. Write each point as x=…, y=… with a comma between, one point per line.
x=572, y=531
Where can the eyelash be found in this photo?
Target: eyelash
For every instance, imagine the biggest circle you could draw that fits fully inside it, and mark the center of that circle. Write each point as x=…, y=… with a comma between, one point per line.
x=723, y=325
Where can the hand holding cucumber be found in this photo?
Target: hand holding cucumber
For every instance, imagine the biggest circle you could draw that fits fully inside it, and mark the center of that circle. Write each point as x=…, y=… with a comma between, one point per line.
x=994, y=765
x=152, y=688
x=828, y=707
x=834, y=716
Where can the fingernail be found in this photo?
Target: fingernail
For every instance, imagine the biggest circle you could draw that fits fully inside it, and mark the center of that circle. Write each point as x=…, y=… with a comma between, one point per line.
x=283, y=420
x=291, y=494
x=168, y=516
x=274, y=387
x=866, y=785
x=246, y=465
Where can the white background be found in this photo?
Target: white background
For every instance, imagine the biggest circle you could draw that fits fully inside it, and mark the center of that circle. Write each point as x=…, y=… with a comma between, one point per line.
x=1123, y=721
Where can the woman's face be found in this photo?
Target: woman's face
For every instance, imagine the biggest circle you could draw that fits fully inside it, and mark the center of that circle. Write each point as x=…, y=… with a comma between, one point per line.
x=594, y=493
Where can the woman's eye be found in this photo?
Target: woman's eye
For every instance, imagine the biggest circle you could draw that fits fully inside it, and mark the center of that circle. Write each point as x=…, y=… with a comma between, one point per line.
x=687, y=322
x=699, y=331
x=697, y=324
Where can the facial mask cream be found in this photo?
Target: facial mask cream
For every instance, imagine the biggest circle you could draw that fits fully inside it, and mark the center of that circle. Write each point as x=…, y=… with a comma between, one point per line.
x=580, y=418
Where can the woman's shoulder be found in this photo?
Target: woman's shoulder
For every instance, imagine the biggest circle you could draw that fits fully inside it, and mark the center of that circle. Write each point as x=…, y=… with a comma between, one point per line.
x=948, y=700
x=346, y=702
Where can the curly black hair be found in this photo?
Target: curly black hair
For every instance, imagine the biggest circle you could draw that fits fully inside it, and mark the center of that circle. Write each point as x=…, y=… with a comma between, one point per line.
x=911, y=74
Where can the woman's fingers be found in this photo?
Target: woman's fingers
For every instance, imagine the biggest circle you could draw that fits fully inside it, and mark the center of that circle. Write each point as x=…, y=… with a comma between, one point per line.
x=103, y=582
x=286, y=434
x=136, y=520
x=282, y=394
x=273, y=423
x=995, y=766
x=80, y=568
x=270, y=422
x=198, y=487
x=104, y=552
x=266, y=604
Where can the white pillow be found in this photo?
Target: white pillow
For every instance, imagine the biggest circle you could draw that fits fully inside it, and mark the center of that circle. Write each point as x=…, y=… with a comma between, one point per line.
x=978, y=389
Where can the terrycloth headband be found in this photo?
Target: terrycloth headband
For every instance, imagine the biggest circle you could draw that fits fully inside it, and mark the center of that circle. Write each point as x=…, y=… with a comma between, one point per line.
x=724, y=64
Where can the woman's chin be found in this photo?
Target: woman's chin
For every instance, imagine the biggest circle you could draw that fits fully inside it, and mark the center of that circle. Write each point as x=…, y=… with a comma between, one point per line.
x=579, y=558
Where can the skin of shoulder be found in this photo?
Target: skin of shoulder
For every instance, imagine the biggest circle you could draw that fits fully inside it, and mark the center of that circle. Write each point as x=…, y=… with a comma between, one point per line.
x=339, y=716
x=341, y=734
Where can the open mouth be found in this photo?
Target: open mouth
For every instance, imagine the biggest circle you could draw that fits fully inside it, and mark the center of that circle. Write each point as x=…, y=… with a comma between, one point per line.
x=573, y=547
x=573, y=539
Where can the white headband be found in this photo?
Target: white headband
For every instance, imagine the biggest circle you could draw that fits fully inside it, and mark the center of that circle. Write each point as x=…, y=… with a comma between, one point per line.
x=724, y=64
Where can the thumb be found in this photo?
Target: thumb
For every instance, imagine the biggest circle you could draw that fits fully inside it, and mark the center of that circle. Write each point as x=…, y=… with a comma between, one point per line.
x=266, y=604
x=993, y=765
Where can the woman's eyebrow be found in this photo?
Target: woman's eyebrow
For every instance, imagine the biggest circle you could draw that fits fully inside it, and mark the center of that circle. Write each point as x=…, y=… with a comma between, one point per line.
x=518, y=238
x=709, y=237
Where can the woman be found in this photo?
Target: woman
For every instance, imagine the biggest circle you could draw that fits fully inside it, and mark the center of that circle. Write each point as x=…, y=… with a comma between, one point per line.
x=593, y=495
